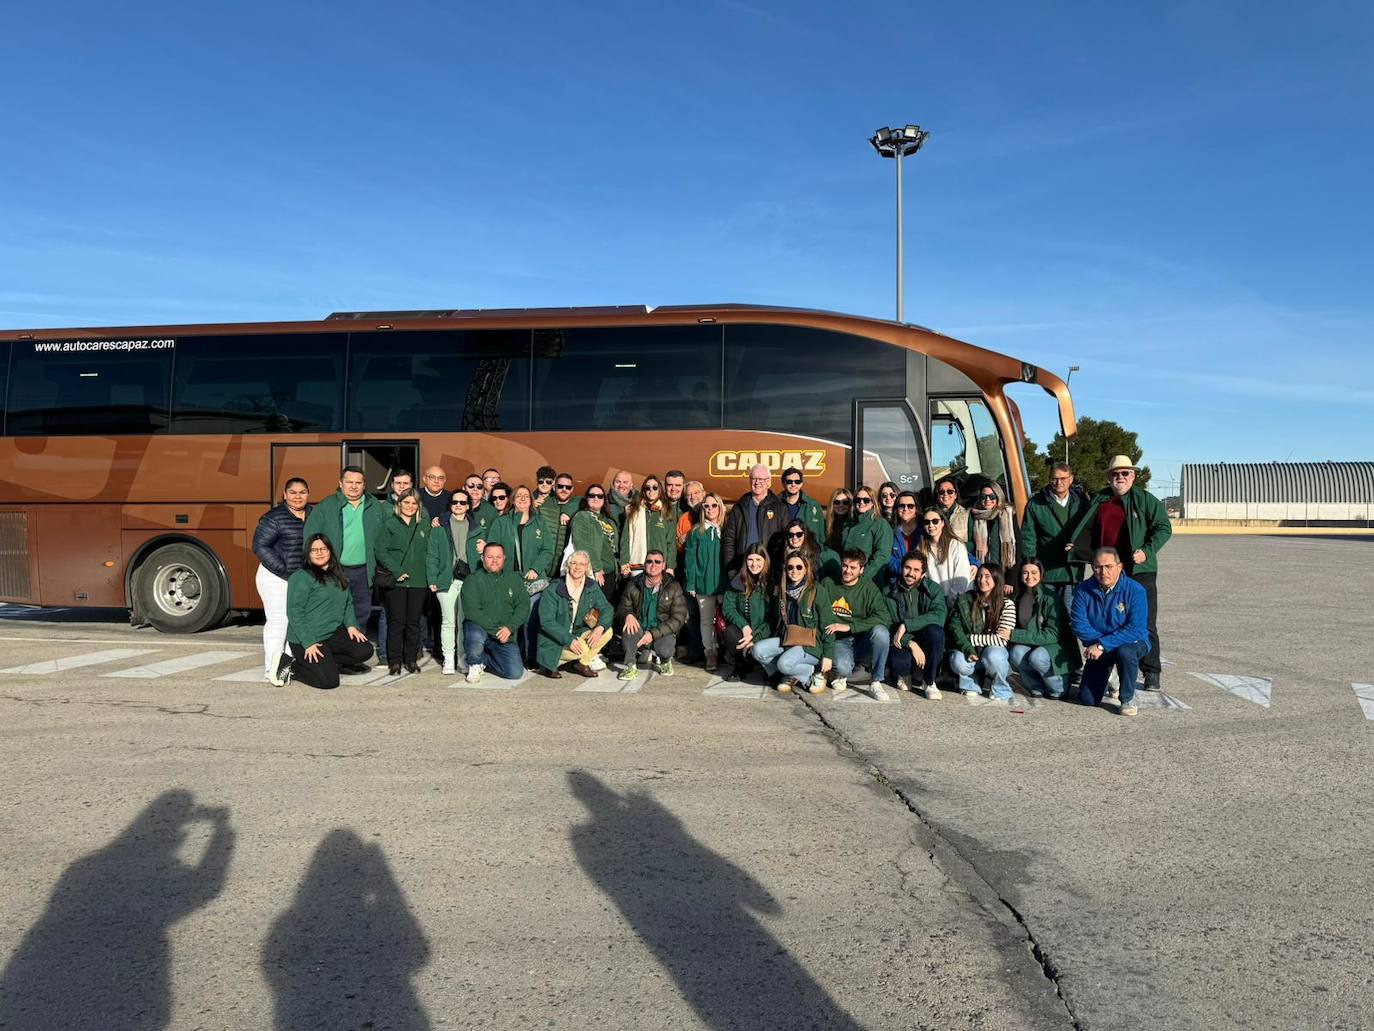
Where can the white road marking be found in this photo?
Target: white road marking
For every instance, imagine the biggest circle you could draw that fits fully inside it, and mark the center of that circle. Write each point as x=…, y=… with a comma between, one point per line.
x=748, y=692
x=861, y=696
x=246, y=676
x=491, y=682
x=376, y=673
x=608, y=684
x=1252, y=689
x=79, y=661
x=168, y=667
x=1365, y=694
x=1157, y=700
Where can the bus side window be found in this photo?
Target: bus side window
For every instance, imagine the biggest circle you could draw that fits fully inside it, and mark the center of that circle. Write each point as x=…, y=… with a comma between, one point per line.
x=52, y=391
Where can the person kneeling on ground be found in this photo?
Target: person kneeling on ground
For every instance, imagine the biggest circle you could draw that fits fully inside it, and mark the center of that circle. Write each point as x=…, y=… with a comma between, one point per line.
x=859, y=620
x=800, y=652
x=1041, y=644
x=574, y=620
x=495, y=607
x=651, y=613
x=322, y=626
x=1111, y=620
x=980, y=629
x=919, y=610
x=745, y=610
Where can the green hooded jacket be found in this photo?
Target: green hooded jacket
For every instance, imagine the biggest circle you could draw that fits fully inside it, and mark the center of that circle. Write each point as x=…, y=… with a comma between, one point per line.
x=873, y=537
x=1049, y=629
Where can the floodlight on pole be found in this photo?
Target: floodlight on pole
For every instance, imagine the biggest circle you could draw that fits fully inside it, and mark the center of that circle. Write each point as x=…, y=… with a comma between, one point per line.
x=1067, y=380
x=897, y=144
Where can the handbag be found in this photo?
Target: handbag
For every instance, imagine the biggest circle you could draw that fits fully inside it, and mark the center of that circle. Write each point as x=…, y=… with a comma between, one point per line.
x=383, y=578
x=533, y=587
x=799, y=636
x=719, y=622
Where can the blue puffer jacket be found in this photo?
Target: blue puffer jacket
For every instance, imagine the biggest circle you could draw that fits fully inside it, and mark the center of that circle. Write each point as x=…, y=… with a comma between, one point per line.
x=277, y=540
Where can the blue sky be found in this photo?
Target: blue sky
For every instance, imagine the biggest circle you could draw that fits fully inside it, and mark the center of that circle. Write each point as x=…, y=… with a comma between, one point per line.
x=1174, y=196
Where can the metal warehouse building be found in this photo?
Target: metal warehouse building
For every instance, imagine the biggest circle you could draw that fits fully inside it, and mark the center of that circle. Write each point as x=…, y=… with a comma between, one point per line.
x=1289, y=492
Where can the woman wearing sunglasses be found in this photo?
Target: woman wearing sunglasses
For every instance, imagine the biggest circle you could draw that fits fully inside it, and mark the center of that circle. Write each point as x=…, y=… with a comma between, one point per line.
x=867, y=533
x=887, y=500
x=906, y=533
x=797, y=537
x=647, y=528
x=799, y=652
x=594, y=532
x=703, y=572
x=947, y=501
x=991, y=535
x=836, y=516
x=946, y=560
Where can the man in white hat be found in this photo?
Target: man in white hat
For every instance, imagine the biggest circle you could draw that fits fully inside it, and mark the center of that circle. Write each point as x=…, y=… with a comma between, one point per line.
x=1133, y=521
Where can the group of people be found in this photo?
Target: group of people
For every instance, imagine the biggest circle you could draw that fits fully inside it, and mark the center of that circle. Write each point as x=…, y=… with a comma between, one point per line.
x=491, y=578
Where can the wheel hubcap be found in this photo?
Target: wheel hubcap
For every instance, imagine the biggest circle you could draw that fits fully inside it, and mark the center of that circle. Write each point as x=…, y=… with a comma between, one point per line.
x=177, y=590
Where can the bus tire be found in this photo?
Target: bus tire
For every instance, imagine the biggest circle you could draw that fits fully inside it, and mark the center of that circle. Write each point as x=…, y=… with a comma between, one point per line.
x=178, y=589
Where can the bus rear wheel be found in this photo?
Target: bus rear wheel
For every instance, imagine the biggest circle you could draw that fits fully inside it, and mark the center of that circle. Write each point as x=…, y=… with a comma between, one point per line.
x=177, y=590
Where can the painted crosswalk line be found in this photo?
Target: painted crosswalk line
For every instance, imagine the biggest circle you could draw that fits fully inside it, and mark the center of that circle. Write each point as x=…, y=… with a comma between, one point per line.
x=490, y=682
x=1364, y=693
x=80, y=661
x=869, y=694
x=1158, y=700
x=169, y=667
x=1253, y=689
x=244, y=676
x=719, y=688
x=608, y=684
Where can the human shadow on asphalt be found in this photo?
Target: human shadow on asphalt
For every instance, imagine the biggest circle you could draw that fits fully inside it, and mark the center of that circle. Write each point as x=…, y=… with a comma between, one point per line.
x=695, y=911
x=99, y=957
x=344, y=953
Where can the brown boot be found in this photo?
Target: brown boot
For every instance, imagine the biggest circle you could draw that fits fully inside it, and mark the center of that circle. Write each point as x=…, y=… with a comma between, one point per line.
x=711, y=662
x=583, y=670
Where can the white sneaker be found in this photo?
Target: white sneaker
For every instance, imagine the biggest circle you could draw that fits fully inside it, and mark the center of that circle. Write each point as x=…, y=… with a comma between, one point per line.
x=474, y=673
x=902, y=684
x=449, y=668
x=839, y=684
x=597, y=664
x=817, y=683
x=933, y=692
x=994, y=700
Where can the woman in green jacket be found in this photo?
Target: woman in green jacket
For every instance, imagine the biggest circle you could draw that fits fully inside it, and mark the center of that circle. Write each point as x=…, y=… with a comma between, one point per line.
x=403, y=548
x=574, y=621
x=867, y=533
x=1043, y=648
x=594, y=532
x=746, y=612
x=529, y=550
x=322, y=629
x=703, y=575
x=446, y=568
x=801, y=607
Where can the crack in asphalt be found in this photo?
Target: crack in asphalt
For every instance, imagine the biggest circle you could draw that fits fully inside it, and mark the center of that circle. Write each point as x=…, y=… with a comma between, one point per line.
x=367, y=753
x=201, y=709
x=1047, y=968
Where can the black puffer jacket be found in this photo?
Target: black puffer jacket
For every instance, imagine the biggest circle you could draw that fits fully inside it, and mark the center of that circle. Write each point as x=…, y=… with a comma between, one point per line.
x=277, y=540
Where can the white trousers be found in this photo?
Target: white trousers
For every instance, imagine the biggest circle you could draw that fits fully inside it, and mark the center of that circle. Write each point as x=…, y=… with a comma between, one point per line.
x=272, y=591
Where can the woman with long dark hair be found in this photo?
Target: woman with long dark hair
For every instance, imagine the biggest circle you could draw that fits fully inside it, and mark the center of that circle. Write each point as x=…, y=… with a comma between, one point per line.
x=837, y=517
x=1042, y=645
x=991, y=535
x=797, y=536
x=403, y=548
x=596, y=533
x=799, y=649
x=648, y=526
x=887, y=500
x=947, y=501
x=906, y=532
x=946, y=559
x=323, y=629
x=277, y=544
x=746, y=612
x=980, y=630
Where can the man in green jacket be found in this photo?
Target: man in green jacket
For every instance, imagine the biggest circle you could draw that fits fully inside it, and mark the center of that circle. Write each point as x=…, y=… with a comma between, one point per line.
x=918, y=613
x=495, y=607
x=557, y=513
x=861, y=615
x=1051, y=515
x=1133, y=521
x=797, y=505
x=351, y=519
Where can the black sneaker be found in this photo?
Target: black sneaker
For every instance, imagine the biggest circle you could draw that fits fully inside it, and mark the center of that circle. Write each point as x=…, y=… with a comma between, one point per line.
x=1151, y=682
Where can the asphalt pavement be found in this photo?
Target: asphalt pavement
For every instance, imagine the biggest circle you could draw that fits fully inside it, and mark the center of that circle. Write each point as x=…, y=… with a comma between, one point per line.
x=189, y=847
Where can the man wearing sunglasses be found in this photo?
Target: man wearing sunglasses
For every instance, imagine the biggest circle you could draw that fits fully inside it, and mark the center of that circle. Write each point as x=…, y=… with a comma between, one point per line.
x=543, y=485
x=1131, y=520
x=797, y=505
x=557, y=513
x=481, y=515
x=755, y=519
x=652, y=612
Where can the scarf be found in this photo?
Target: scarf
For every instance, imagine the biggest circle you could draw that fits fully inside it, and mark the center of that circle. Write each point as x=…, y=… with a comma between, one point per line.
x=1006, y=534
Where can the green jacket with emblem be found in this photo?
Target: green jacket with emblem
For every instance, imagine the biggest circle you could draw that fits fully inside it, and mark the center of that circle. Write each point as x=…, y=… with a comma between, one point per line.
x=494, y=600
x=327, y=518
x=599, y=537
x=558, y=624
x=535, y=547
x=872, y=536
x=703, y=572
x=1045, y=531
x=916, y=608
x=404, y=548
x=1147, y=527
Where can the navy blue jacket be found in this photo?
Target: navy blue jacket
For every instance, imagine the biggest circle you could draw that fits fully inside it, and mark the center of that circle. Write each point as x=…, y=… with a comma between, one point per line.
x=277, y=540
x=1110, y=618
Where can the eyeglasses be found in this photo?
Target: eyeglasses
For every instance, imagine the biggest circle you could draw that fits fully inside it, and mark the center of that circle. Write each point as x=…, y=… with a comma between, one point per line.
x=319, y=551
x=563, y=486
x=863, y=502
x=653, y=561
x=1121, y=474
x=792, y=481
x=795, y=567
x=907, y=504
x=709, y=504
x=987, y=497
x=649, y=488
x=759, y=479
x=931, y=522
x=596, y=497
x=499, y=497
x=840, y=503
x=795, y=535
x=546, y=479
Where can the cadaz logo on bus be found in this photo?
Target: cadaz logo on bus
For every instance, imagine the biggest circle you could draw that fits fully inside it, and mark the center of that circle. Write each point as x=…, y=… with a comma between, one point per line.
x=738, y=463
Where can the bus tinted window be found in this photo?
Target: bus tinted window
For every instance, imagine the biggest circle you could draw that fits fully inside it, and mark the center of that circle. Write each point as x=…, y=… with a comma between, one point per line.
x=62, y=387
x=791, y=380
x=445, y=380
x=271, y=383
x=635, y=378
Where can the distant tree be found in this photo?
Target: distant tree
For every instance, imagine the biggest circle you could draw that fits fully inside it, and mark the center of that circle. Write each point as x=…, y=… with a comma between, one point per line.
x=1097, y=442
x=1037, y=465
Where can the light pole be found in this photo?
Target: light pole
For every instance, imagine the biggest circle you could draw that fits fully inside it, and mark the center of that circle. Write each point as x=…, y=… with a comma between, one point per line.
x=1067, y=380
x=899, y=143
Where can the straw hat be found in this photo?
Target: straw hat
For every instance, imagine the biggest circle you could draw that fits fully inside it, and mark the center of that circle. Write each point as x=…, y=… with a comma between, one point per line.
x=1122, y=462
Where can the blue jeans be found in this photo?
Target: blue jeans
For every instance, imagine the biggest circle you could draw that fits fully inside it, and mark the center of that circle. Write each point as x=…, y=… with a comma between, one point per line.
x=873, y=645
x=1035, y=668
x=1126, y=658
x=362, y=594
x=932, y=642
x=795, y=662
x=488, y=652
x=993, y=661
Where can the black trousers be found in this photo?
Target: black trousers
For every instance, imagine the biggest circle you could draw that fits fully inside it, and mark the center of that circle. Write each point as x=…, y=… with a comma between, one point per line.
x=1150, y=664
x=732, y=660
x=403, y=608
x=339, y=650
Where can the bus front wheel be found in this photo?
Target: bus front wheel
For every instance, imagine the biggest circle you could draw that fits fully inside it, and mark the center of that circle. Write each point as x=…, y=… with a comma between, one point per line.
x=177, y=589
